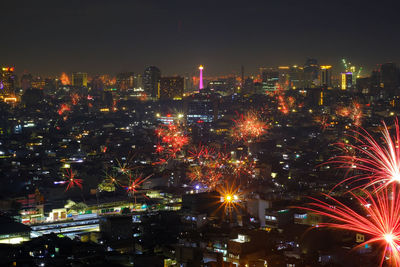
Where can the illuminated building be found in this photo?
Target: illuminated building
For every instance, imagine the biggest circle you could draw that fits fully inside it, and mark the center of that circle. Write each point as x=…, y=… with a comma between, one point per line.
x=296, y=77
x=201, y=86
x=270, y=80
x=284, y=77
x=12, y=232
x=79, y=79
x=346, y=81
x=171, y=88
x=7, y=81
x=125, y=81
x=200, y=109
x=138, y=81
x=38, y=83
x=326, y=76
x=151, y=81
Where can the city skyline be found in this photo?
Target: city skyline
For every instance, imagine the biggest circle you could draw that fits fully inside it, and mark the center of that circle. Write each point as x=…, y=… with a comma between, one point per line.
x=105, y=37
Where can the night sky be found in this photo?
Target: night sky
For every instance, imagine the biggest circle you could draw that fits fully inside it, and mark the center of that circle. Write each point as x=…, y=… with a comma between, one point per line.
x=99, y=36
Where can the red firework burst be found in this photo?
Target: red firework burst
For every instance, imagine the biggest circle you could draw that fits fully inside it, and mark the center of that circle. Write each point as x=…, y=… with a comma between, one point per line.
x=380, y=164
x=380, y=219
x=171, y=140
x=72, y=181
x=135, y=183
x=249, y=127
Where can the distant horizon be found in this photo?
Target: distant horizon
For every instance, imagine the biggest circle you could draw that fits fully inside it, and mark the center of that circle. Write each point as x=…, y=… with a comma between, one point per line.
x=255, y=71
x=49, y=37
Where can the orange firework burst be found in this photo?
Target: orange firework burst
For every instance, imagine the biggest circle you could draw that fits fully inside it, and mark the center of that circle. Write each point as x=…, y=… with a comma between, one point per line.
x=64, y=79
x=63, y=108
x=380, y=219
x=75, y=98
x=72, y=181
x=249, y=127
x=380, y=163
x=353, y=112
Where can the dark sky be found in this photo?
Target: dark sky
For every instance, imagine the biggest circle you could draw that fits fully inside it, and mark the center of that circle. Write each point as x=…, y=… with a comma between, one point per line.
x=100, y=36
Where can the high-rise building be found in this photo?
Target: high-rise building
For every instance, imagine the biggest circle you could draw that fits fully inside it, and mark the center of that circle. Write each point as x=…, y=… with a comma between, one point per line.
x=171, y=88
x=347, y=81
x=151, y=81
x=284, y=77
x=326, y=76
x=125, y=81
x=270, y=80
x=138, y=82
x=79, y=79
x=7, y=81
x=296, y=77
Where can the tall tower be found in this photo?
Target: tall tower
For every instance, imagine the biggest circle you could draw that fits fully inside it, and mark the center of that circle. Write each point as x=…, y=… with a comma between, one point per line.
x=201, y=86
x=151, y=81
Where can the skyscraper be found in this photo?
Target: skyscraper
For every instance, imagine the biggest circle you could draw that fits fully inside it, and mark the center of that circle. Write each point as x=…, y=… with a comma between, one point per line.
x=270, y=80
x=138, y=82
x=7, y=81
x=347, y=81
x=171, y=87
x=79, y=79
x=151, y=81
x=326, y=76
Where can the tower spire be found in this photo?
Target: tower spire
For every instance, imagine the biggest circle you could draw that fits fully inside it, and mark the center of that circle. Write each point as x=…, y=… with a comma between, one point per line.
x=201, y=86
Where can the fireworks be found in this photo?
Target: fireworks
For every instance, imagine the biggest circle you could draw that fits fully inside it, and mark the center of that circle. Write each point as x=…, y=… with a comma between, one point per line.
x=171, y=140
x=380, y=164
x=248, y=127
x=323, y=121
x=63, y=108
x=135, y=183
x=354, y=112
x=64, y=79
x=72, y=181
x=75, y=99
x=380, y=219
x=208, y=175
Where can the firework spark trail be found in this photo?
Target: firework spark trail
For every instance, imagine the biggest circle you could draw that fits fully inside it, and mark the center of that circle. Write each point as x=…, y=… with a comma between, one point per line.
x=248, y=127
x=323, y=121
x=380, y=164
x=134, y=184
x=72, y=181
x=381, y=219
